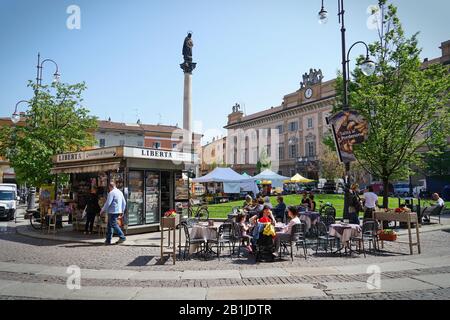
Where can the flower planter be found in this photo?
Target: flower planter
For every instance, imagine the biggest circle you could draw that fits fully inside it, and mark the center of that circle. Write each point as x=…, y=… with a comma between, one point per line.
x=387, y=237
x=170, y=222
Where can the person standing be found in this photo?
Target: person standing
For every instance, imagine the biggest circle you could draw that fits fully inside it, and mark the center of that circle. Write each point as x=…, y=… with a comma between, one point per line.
x=370, y=203
x=92, y=209
x=115, y=206
x=354, y=205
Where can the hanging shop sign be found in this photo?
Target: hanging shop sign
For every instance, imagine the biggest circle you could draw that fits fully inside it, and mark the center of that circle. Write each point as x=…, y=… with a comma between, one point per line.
x=349, y=129
x=96, y=154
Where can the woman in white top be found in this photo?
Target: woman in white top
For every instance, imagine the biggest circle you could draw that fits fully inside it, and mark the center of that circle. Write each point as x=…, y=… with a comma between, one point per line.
x=285, y=234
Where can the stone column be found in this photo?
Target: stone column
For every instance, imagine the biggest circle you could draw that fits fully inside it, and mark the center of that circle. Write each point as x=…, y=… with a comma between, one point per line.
x=187, y=67
x=187, y=102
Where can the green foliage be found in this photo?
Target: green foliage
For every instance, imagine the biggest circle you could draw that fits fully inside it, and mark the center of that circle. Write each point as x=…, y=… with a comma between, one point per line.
x=56, y=122
x=406, y=105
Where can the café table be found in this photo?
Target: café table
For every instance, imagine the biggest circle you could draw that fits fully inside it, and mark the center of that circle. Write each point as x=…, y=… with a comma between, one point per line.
x=204, y=232
x=345, y=232
x=310, y=218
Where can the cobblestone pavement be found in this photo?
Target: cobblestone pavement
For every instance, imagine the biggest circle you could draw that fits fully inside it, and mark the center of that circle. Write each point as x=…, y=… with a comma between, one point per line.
x=20, y=249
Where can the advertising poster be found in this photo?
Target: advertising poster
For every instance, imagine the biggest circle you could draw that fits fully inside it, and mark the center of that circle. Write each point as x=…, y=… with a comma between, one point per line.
x=349, y=129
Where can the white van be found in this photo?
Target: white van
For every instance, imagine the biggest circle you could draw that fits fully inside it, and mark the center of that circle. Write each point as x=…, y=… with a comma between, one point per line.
x=8, y=201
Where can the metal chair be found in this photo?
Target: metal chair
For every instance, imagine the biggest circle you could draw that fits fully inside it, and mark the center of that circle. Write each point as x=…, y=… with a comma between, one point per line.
x=238, y=238
x=369, y=233
x=298, y=237
x=328, y=220
x=188, y=241
x=224, y=236
x=323, y=237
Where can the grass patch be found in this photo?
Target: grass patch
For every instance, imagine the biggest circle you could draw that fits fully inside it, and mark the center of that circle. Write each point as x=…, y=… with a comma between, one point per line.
x=223, y=209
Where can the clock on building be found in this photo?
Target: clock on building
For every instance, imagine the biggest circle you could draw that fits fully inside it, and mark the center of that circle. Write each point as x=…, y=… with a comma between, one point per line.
x=308, y=93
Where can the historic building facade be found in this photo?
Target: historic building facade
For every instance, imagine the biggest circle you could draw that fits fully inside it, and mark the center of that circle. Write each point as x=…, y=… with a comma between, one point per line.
x=213, y=155
x=291, y=133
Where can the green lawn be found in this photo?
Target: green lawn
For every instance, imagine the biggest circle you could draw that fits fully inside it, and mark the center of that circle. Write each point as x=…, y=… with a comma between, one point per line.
x=222, y=210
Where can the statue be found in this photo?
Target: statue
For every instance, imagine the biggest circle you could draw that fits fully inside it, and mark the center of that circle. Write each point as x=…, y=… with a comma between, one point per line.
x=314, y=77
x=187, y=48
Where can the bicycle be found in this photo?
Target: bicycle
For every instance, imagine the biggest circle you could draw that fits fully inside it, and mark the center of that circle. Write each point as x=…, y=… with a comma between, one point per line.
x=327, y=209
x=197, y=213
x=36, y=221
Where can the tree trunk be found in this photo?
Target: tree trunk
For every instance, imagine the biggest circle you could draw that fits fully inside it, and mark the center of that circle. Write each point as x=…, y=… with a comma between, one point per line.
x=386, y=193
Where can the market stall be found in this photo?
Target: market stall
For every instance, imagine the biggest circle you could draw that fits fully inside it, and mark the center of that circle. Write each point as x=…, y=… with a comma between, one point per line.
x=276, y=180
x=151, y=180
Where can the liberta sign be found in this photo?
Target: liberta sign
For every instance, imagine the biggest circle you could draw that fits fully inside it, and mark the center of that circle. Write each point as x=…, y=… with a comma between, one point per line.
x=154, y=154
x=87, y=155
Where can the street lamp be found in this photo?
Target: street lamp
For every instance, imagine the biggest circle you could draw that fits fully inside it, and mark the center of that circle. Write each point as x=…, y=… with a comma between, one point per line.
x=40, y=66
x=367, y=68
x=15, y=117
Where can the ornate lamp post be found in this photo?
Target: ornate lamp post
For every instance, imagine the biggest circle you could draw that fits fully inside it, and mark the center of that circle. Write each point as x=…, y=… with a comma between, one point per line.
x=367, y=68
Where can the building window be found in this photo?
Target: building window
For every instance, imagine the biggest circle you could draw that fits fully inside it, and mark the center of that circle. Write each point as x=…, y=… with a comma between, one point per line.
x=281, y=151
x=174, y=145
x=310, y=149
x=280, y=129
x=122, y=142
x=293, y=151
x=310, y=123
x=140, y=143
x=157, y=145
x=293, y=173
x=102, y=143
x=293, y=126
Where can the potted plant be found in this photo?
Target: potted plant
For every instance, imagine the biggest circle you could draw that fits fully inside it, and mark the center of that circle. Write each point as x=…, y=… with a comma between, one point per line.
x=171, y=219
x=387, y=235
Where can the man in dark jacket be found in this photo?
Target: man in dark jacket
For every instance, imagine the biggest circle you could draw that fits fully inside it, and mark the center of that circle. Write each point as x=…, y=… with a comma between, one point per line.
x=280, y=210
x=92, y=209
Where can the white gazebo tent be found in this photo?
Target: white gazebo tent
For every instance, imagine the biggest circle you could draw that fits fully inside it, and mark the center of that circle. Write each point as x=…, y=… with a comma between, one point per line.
x=232, y=181
x=277, y=180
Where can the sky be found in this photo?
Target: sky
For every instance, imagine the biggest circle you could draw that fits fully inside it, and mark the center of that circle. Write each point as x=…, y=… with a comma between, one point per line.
x=251, y=52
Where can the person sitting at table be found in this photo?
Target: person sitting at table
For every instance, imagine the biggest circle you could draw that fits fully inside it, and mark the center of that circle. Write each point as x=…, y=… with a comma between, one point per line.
x=240, y=220
x=312, y=203
x=248, y=202
x=267, y=202
x=306, y=202
x=265, y=217
x=280, y=209
x=285, y=234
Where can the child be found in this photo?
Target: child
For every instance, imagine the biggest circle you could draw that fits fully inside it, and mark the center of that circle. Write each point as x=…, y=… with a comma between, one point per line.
x=244, y=229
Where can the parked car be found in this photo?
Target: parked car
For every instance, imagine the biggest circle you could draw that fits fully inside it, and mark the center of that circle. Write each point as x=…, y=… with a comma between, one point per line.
x=402, y=189
x=8, y=201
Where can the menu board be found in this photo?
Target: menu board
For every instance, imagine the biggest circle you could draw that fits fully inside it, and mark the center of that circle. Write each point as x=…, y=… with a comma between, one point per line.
x=152, y=197
x=181, y=187
x=135, y=197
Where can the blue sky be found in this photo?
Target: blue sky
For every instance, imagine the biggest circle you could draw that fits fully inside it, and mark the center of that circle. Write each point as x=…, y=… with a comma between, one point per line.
x=248, y=51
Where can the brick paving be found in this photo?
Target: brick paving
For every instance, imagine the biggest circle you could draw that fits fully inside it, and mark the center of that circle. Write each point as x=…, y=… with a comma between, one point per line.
x=20, y=249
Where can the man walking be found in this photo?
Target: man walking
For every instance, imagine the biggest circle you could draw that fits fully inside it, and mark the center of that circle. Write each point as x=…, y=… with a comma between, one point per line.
x=114, y=207
x=370, y=203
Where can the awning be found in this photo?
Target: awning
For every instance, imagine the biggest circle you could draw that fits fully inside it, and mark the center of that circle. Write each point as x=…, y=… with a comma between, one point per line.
x=85, y=168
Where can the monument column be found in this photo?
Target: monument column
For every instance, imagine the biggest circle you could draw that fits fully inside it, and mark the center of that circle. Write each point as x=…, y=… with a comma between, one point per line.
x=188, y=66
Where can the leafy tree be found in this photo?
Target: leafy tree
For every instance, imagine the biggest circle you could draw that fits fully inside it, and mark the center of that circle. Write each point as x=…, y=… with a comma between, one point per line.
x=55, y=122
x=405, y=104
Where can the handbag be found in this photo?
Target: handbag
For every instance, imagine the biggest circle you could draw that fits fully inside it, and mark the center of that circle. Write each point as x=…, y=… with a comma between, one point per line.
x=120, y=221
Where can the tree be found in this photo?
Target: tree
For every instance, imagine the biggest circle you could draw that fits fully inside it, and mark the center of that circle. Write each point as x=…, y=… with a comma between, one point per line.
x=55, y=122
x=330, y=168
x=405, y=104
